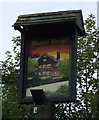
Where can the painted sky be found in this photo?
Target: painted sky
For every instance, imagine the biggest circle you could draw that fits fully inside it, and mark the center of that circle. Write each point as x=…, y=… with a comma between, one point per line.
x=52, y=50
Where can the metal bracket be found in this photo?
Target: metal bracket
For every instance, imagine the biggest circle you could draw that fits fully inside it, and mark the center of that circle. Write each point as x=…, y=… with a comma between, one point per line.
x=39, y=97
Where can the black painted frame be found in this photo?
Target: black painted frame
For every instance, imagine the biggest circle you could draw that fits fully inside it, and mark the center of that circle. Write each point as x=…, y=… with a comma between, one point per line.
x=73, y=66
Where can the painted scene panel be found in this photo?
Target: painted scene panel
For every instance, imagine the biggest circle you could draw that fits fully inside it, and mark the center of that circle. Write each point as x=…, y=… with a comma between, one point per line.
x=48, y=66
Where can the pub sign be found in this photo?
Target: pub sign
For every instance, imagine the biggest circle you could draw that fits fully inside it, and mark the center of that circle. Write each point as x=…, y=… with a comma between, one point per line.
x=49, y=54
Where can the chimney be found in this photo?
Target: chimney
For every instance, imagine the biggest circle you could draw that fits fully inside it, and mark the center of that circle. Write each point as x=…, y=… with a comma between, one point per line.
x=58, y=55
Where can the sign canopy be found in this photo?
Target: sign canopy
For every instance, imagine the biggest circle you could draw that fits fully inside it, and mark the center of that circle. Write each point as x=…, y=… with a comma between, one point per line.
x=50, y=18
x=48, y=55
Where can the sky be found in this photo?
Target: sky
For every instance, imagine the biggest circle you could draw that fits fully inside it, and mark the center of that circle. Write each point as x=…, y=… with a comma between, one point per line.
x=9, y=11
x=52, y=50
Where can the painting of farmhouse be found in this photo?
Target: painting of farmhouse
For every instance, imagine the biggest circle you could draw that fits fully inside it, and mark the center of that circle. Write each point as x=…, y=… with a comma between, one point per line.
x=48, y=67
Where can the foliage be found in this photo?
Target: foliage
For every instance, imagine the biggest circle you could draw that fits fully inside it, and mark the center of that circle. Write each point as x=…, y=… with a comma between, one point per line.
x=10, y=79
x=62, y=90
x=86, y=106
x=64, y=68
x=32, y=65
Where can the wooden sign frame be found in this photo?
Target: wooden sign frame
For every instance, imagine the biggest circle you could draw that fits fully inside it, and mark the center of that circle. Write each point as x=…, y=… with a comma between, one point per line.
x=55, y=38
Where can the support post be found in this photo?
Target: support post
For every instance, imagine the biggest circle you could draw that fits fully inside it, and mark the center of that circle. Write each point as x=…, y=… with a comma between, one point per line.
x=44, y=108
x=45, y=112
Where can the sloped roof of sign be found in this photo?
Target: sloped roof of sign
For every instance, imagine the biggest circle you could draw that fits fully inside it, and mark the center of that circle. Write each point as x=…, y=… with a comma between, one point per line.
x=52, y=17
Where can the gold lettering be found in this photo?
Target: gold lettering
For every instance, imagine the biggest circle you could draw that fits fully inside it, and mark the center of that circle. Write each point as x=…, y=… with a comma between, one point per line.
x=50, y=42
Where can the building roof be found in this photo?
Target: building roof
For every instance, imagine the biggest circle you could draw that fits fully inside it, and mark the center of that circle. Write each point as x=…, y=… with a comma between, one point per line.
x=49, y=56
x=52, y=17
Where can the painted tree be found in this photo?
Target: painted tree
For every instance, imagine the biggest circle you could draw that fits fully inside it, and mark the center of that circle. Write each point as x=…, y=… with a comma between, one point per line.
x=64, y=68
x=85, y=107
x=32, y=67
